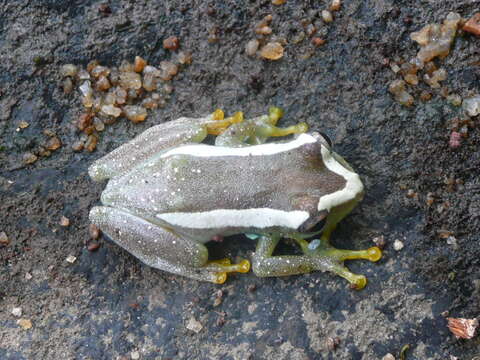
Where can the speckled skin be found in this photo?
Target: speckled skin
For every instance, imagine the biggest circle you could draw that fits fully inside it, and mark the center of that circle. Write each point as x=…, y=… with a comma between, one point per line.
x=218, y=195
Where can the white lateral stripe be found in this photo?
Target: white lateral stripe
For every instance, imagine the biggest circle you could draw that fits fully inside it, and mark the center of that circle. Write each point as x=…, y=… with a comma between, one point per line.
x=353, y=185
x=217, y=219
x=202, y=150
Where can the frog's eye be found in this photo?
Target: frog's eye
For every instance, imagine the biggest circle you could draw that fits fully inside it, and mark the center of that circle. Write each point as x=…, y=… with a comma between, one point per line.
x=327, y=140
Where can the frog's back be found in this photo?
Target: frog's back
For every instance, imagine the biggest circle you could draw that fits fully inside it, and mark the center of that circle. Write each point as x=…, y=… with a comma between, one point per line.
x=205, y=186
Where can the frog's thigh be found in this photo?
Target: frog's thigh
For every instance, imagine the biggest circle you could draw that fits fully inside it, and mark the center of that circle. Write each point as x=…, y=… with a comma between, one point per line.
x=147, y=144
x=154, y=245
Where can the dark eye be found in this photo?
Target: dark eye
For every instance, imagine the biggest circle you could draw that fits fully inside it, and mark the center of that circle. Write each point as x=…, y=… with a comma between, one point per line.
x=327, y=139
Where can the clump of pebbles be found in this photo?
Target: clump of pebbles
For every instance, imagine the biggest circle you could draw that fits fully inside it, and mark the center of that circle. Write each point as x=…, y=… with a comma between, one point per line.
x=267, y=45
x=435, y=41
x=128, y=91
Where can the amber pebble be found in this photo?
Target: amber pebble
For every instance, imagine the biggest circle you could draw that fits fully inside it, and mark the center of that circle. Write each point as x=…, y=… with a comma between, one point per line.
x=327, y=16
x=111, y=110
x=109, y=98
x=41, y=151
x=130, y=80
x=109, y=120
x=263, y=30
x=149, y=82
x=23, y=124
x=114, y=76
x=135, y=113
x=4, y=238
x=84, y=120
x=398, y=89
x=77, y=145
x=67, y=85
x=171, y=43
x=149, y=103
x=316, y=41
x=68, y=70
x=132, y=94
x=97, y=104
x=139, y=64
x=64, y=221
x=411, y=79
x=168, y=70
x=103, y=84
x=278, y=2
x=125, y=66
x=167, y=88
x=87, y=101
x=425, y=96
x=29, y=158
x=473, y=24
x=184, y=58
x=435, y=40
x=99, y=71
x=121, y=96
x=89, y=130
x=252, y=47
x=94, y=231
x=91, y=143
x=335, y=5
x=53, y=143
x=311, y=29
x=272, y=51
x=98, y=124
x=83, y=75
x=91, y=65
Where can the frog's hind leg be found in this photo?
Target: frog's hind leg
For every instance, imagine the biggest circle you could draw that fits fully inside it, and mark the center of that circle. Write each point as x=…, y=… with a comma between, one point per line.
x=160, y=248
x=317, y=256
x=257, y=130
x=159, y=138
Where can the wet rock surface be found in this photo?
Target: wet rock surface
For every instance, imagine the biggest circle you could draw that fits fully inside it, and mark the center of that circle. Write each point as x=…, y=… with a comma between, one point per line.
x=107, y=305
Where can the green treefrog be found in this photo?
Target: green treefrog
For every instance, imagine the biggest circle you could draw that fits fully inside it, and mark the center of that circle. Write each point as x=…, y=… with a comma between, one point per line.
x=168, y=194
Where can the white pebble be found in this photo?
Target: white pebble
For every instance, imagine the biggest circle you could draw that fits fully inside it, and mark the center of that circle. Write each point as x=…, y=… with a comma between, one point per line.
x=398, y=245
x=327, y=16
x=194, y=325
x=71, y=259
x=17, y=311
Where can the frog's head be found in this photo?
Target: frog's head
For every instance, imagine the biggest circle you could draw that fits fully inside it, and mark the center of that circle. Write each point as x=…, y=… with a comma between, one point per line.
x=338, y=187
x=349, y=189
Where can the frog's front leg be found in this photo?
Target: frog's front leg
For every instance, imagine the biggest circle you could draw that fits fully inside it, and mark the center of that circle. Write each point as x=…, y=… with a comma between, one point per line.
x=158, y=138
x=318, y=255
x=161, y=248
x=257, y=130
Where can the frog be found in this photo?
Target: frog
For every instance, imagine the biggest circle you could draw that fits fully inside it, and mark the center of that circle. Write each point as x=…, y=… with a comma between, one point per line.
x=185, y=182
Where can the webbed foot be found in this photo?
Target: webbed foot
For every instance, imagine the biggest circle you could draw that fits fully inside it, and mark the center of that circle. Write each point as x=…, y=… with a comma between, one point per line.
x=225, y=266
x=318, y=255
x=328, y=258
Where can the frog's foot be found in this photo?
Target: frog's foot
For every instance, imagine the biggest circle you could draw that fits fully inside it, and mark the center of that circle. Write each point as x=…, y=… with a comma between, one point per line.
x=322, y=257
x=224, y=266
x=328, y=258
x=257, y=130
x=219, y=123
